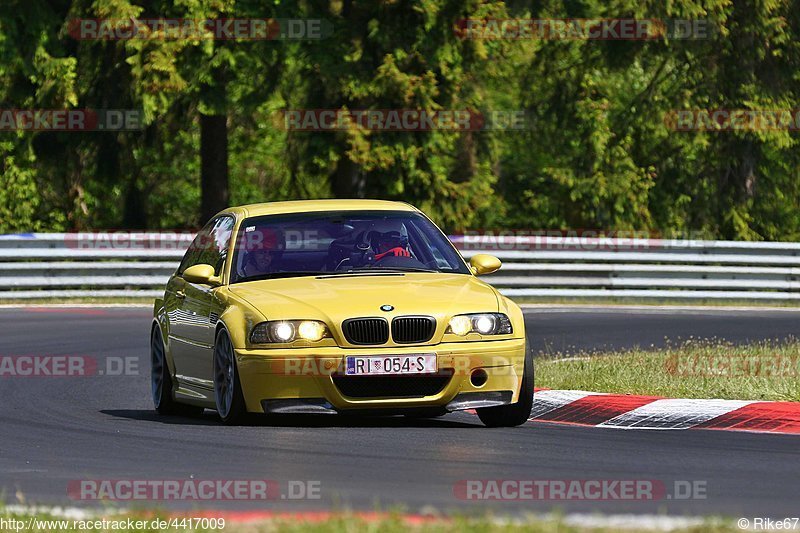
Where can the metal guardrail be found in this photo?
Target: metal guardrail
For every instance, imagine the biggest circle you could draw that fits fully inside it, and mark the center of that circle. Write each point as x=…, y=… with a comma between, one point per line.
x=88, y=265
x=138, y=264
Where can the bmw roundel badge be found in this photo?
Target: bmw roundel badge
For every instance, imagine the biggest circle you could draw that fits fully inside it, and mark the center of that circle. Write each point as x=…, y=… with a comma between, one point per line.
x=387, y=308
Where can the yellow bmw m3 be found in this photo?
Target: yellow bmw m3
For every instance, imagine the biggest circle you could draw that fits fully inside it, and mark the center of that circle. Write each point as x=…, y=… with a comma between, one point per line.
x=336, y=306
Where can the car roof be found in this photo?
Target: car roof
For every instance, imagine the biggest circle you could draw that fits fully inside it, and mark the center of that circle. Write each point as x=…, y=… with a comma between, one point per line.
x=301, y=206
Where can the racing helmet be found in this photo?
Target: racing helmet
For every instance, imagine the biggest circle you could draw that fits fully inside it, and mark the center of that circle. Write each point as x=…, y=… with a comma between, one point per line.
x=260, y=242
x=386, y=234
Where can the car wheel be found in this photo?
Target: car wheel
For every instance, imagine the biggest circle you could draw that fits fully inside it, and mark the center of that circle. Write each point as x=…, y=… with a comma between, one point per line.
x=161, y=386
x=514, y=414
x=227, y=387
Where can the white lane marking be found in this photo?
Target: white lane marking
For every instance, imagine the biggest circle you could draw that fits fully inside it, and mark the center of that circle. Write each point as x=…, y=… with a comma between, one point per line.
x=73, y=513
x=674, y=414
x=635, y=522
x=545, y=401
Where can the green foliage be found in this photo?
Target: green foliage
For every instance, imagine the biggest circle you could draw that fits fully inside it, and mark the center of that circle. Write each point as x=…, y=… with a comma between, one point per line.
x=18, y=198
x=597, y=153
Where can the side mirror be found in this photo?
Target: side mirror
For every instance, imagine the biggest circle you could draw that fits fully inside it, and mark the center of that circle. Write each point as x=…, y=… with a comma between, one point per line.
x=484, y=264
x=202, y=275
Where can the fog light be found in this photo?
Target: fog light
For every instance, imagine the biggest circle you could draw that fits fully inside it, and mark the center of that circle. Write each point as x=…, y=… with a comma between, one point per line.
x=479, y=377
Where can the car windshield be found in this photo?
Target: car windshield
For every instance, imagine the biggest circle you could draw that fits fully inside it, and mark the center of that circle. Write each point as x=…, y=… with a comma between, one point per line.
x=346, y=242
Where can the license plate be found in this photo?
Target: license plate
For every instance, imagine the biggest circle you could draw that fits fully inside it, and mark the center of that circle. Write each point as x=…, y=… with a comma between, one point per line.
x=379, y=365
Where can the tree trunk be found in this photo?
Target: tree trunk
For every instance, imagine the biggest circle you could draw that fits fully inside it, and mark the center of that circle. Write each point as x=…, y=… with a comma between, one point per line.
x=134, y=208
x=346, y=180
x=214, y=187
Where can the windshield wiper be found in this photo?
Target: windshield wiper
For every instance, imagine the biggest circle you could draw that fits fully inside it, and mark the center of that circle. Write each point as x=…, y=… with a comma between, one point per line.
x=279, y=275
x=391, y=269
x=350, y=271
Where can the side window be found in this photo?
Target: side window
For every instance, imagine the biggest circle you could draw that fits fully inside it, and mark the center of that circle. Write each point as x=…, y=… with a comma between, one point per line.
x=193, y=252
x=210, y=246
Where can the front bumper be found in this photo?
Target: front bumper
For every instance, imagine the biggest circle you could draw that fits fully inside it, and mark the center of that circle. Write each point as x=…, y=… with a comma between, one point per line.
x=295, y=380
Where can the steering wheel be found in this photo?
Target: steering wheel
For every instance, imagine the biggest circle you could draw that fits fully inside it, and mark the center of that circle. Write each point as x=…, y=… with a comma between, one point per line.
x=389, y=261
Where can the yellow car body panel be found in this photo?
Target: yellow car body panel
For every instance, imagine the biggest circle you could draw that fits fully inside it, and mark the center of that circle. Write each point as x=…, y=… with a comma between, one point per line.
x=190, y=315
x=307, y=373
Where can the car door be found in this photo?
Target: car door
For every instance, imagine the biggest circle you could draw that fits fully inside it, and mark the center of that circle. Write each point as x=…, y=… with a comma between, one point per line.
x=198, y=309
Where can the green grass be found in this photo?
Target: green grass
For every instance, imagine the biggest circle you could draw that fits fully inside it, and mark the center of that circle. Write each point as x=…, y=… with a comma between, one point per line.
x=343, y=523
x=692, y=369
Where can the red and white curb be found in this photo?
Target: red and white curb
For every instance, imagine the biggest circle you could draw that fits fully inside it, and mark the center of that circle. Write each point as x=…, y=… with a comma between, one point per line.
x=624, y=411
x=246, y=519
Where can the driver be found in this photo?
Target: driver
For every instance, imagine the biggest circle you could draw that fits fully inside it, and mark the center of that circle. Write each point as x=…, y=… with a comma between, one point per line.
x=263, y=250
x=389, y=238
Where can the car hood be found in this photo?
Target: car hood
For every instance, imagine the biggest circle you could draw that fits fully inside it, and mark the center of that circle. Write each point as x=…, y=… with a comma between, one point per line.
x=336, y=298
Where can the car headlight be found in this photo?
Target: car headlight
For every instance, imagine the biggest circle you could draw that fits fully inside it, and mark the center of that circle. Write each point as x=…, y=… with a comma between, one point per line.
x=483, y=323
x=283, y=331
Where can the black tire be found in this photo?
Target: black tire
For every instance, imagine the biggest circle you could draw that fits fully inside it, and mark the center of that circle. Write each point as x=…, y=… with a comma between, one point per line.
x=161, y=386
x=514, y=414
x=227, y=386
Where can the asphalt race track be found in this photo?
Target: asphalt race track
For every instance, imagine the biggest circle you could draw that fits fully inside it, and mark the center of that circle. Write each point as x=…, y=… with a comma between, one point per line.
x=54, y=430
